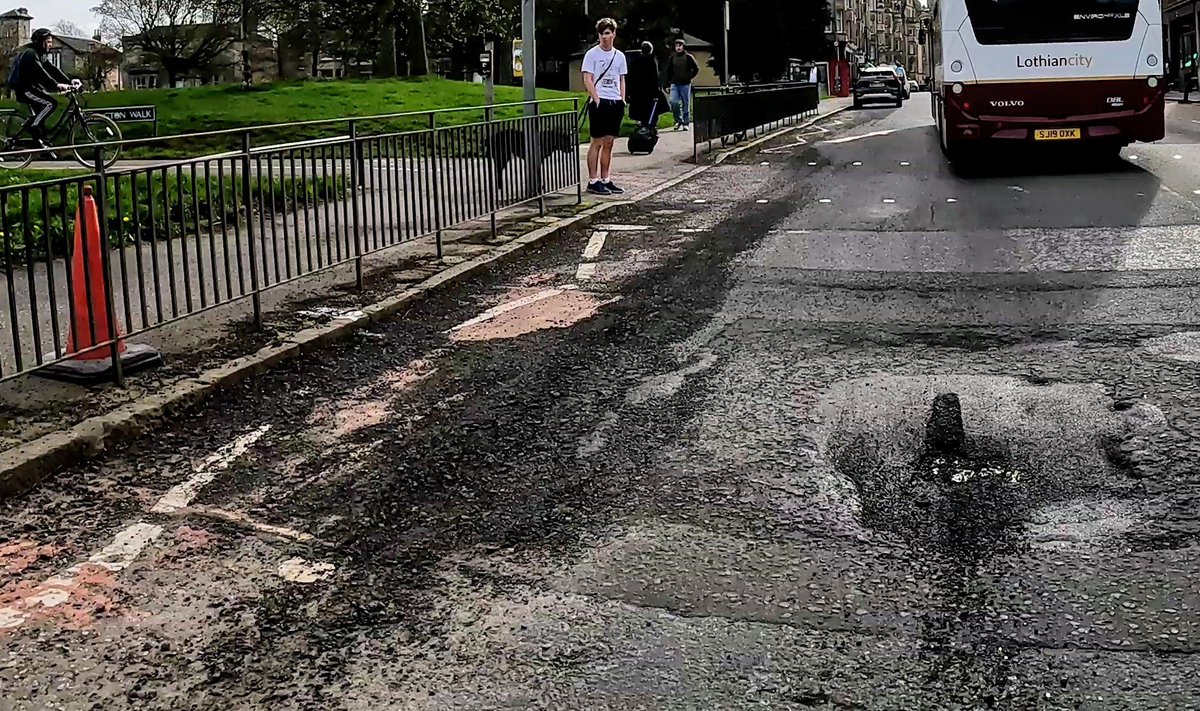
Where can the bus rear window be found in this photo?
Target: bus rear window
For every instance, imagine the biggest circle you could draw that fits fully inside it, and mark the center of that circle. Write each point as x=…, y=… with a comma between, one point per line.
x=1040, y=22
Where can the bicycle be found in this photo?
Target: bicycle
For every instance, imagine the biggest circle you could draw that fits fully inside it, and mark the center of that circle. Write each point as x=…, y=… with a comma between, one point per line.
x=83, y=130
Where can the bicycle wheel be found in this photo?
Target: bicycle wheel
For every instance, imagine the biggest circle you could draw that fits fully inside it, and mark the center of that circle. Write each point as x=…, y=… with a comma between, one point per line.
x=12, y=125
x=96, y=129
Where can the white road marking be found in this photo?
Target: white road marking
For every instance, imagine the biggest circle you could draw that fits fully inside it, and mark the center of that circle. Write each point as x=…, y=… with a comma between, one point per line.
x=825, y=201
x=952, y=200
x=762, y=202
x=873, y=134
x=798, y=232
x=244, y=520
x=586, y=272
x=699, y=201
x=1133, y=157
x=594, y=245
x=181, y=495
x=1016, y=188
x=623, y=228
x=511, y=306
x=1196, y=192
x=1177, y=157
x=812, y=164
x=1195, y=121
x=855, y=163
x=132, y=541
x=905, y=163
x=298, y=570
x=689, y=230
x=665, y=386
x=889, y=200
x=126, y=546
x=765, y=163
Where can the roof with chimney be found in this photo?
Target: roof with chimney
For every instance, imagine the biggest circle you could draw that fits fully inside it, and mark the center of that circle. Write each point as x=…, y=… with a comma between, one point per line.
x=18, y=14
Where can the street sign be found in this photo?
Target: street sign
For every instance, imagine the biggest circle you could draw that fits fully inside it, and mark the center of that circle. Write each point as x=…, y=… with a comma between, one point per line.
x=485, y=64
x=129, y=114
x=518, y=59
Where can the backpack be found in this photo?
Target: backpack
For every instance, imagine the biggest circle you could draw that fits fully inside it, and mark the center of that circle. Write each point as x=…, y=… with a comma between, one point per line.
x=14, y=72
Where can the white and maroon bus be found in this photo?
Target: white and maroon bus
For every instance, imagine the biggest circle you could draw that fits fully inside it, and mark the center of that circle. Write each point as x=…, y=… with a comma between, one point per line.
x=1033, y=71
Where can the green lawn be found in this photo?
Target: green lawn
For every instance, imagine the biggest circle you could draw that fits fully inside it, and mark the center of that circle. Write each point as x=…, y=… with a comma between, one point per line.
x=212, y=108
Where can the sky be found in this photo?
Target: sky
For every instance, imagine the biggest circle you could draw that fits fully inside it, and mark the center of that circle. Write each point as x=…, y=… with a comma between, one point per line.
x=47, y=13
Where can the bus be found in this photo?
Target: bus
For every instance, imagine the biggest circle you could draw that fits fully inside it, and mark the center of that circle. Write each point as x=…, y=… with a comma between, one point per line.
x=1086, y=72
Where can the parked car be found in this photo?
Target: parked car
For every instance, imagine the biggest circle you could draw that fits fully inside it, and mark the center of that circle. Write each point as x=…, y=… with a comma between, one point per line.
x=877, y=84
x=900, y=72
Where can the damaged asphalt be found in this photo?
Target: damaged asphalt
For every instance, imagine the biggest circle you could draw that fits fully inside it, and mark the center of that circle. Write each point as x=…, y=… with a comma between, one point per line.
x=693, y=477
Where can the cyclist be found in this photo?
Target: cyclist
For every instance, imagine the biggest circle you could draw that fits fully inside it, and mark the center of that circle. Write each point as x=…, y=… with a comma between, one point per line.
x=32, y=78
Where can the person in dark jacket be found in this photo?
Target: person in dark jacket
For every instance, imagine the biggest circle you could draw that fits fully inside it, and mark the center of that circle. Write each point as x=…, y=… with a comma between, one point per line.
x=643, y=88
x=32, y=78
x=681, y=70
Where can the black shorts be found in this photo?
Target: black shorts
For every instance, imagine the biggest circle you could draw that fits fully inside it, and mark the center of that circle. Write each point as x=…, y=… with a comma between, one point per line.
x=606, y=118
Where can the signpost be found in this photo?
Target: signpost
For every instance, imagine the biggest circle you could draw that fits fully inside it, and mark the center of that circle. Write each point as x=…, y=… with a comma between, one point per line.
x=130, y=114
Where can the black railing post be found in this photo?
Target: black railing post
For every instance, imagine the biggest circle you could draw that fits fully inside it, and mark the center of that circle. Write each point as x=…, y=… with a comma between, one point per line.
x=248, y=206
x=578, y=167
x=437, y=191
x=538, y=169
x=110, y=306
x=489, y=116
x=356, y=181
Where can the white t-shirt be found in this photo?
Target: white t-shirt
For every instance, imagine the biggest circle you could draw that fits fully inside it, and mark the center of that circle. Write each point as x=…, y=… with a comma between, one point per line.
x=597, y=61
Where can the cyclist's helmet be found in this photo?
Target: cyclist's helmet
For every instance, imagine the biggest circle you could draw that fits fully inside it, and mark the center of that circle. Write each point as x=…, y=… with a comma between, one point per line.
x=40, y=35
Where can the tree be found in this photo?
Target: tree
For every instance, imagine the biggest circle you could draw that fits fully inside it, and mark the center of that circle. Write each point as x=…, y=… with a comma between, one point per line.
x=66, y=28
x=184, y=37
x=98, y=65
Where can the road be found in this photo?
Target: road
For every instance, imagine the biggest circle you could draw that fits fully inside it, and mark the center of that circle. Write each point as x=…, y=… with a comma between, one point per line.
x=828, y=426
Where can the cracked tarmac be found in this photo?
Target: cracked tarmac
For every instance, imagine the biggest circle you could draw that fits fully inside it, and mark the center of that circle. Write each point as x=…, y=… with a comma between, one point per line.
x=686, y=480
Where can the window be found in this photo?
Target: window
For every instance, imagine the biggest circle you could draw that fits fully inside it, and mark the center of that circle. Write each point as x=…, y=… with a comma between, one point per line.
x=145, y=81
x=1008, y=21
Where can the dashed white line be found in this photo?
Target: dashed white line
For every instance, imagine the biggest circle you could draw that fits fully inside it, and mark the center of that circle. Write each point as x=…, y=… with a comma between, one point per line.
x=762, y=202
x=181, y=495
x=905, y=163
x=699, y=201
x=131, y=541
x=586, y=272
x=511, y=306
x=873, y=134
x=594, y=245
x=889, y=200
x=857, y=163
x=622, y=228
x=951, y=200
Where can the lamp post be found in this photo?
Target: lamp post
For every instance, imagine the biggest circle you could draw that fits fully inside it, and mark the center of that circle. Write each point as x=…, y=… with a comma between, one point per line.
x=727, y=18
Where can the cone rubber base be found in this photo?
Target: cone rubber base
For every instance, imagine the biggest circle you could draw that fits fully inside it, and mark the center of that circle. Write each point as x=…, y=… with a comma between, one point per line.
x=89, y=372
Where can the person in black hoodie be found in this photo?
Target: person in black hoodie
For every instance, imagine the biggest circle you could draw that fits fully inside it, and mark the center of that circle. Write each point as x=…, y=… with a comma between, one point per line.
x=645, y=96
x=32, y=78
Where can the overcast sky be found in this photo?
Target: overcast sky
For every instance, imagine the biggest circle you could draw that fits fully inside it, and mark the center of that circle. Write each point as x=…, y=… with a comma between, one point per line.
x=47, y=13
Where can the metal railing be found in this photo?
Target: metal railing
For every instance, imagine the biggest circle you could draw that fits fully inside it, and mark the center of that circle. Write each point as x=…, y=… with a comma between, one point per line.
x=730, y=112
x=185, y=236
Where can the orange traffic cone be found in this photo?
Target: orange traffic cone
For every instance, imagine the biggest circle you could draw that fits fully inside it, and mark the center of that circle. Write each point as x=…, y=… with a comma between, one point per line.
x=89, y=361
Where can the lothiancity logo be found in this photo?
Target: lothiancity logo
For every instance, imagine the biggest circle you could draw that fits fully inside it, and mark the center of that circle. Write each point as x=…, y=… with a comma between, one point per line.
x=1046, y=60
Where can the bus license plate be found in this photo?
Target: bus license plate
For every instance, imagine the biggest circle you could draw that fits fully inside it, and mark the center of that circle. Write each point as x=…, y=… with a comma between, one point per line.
x=1056, y=134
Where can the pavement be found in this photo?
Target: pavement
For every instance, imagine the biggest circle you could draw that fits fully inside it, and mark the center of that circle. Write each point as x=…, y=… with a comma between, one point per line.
x=827, y=426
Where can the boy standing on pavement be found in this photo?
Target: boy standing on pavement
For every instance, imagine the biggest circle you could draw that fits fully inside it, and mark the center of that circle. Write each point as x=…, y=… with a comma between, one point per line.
x=681, y=70
x=604, y=71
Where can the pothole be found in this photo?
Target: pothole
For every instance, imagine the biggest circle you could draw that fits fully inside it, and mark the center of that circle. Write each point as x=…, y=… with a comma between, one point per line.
x=963, y=466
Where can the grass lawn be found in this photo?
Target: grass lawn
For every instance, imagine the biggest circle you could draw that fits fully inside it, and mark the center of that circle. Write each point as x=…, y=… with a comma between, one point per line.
x=212, y=108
